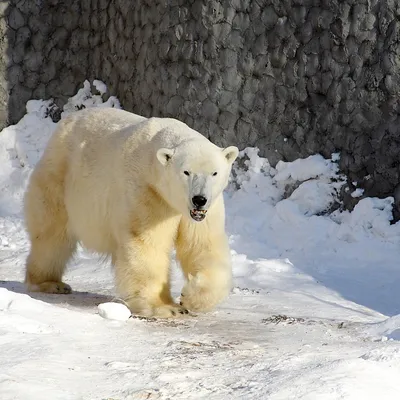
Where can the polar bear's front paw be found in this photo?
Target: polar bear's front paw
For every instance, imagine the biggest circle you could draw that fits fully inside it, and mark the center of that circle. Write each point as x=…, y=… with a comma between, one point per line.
x=169, y=311
x=156, y=310
x=199, y=296
x=196, y=302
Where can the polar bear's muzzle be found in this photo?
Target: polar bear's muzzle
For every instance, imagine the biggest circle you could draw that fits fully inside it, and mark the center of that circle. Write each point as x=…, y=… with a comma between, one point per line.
x=198, y=215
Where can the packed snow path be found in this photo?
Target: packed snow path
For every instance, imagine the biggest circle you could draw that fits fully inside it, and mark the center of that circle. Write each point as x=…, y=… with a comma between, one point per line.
x=314, y=313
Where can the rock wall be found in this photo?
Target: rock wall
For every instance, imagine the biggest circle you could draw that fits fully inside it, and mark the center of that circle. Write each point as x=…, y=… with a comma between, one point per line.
x=292, y=77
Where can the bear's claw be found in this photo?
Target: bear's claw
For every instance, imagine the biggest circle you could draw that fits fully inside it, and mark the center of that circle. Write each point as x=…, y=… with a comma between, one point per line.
x=169, y=311
x=163, y=311
x=50, y=287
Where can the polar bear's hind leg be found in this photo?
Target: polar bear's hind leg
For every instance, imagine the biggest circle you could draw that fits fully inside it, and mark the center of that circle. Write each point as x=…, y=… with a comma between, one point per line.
x=51, y=244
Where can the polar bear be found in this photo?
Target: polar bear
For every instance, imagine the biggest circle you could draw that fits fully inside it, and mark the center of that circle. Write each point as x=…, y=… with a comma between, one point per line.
x=134, y=189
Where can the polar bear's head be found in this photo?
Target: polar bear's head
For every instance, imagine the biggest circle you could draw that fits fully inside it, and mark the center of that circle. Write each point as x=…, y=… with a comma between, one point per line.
x=196, y=173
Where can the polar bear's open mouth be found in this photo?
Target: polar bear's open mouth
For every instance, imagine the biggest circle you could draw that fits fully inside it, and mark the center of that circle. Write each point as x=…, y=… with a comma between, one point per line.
x=198, y=215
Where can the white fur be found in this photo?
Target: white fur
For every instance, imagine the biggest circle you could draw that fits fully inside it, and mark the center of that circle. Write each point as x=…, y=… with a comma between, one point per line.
x=116, y=182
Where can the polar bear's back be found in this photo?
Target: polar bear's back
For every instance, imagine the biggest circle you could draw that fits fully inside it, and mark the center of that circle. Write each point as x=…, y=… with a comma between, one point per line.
x=96, y=122
x=111, y=125
x=107, y=118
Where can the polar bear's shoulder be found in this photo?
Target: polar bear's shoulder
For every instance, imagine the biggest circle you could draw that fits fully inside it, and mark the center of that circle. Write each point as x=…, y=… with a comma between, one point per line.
x=170, y=132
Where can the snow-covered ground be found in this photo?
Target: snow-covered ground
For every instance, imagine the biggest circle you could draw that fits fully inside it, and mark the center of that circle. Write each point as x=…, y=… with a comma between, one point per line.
x=315, y=312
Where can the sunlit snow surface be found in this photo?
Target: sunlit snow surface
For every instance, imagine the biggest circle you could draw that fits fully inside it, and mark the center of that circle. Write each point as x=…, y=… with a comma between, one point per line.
x=314, y=314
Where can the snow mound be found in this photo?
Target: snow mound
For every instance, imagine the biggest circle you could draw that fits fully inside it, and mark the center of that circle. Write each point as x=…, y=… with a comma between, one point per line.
x=19, y=314
x=303, y=169
x=85, y=98
x=388, y=329
x=115, y=311
x=306, y=187
x=371, y=216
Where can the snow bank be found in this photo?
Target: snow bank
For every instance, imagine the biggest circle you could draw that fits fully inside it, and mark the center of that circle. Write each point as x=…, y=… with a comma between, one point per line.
x=306, y=188
x=387, y=329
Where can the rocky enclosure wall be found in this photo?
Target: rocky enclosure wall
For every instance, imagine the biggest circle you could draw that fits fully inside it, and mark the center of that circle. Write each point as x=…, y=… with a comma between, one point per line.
x=292, y=77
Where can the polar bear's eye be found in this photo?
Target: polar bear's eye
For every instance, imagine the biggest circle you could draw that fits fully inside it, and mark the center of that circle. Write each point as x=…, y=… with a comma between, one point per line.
x=214, y=174
x=186, y=173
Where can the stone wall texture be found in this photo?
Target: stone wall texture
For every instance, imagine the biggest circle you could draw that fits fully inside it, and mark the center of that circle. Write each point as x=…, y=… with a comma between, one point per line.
x=292, y=77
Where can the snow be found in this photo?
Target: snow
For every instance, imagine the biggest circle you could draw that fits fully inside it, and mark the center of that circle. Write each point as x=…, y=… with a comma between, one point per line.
x=100, y=86
x=357, y=193
x=314, y=314
x=84, y=98
x=116, y=311
x=387, y=329
x=303, y=169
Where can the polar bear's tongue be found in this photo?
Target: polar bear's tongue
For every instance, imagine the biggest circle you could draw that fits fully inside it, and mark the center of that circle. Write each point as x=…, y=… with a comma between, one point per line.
x=198, y=215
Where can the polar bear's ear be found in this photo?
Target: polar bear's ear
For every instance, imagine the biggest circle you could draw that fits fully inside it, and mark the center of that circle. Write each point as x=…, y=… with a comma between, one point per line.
x=231, y=153
x=164, y=155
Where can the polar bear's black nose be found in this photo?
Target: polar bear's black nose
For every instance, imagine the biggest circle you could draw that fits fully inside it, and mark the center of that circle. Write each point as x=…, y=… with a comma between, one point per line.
x=199, y=201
